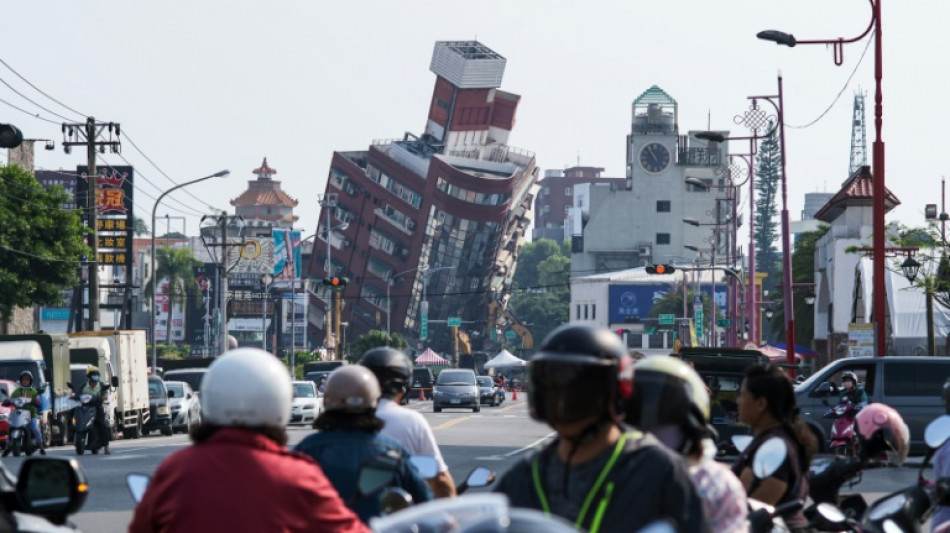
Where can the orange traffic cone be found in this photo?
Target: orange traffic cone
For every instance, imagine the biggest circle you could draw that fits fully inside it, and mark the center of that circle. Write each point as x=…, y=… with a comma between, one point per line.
x=514, y=394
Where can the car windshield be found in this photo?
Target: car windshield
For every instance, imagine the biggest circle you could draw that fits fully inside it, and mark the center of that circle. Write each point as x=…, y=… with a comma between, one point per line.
x=484, y=381
x=456, y=377
x=177, y=387
x=156, y=389
x=303, y=390
x=192, y=378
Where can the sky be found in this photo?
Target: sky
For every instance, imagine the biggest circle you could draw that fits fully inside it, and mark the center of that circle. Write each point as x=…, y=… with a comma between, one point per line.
x=211, y=85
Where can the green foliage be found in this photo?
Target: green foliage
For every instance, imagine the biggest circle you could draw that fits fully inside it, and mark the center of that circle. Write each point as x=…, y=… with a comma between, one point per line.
x=672, y=303
x=41, y=244
x=767, y=181
x=531, y=256
x=803, y=271
x=372, y=339
x=542, y=297
x=176, y=266
x=139, y=228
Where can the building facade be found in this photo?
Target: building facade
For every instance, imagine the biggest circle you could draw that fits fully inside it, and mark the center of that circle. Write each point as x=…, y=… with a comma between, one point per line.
x=556, y=197
x=433, y=222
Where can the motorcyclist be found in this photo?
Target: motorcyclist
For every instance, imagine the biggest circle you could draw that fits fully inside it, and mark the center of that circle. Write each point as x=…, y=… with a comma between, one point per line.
x=27, y=390
x=882, y=434
x=239, y=475
x=942, y=465
x=349, y=436
x=393, y=369
x=671, y=402
x=98, y=390
x=850, y=393
x=597, y=473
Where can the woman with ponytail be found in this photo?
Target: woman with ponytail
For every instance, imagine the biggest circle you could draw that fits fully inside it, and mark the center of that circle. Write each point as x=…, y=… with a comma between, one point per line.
x=767, y=404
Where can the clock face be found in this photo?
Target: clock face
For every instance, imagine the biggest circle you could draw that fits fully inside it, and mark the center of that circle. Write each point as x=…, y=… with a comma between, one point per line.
x=654, y=158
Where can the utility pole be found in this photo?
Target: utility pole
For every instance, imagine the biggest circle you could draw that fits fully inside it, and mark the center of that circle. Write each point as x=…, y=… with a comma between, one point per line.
x=87, y=134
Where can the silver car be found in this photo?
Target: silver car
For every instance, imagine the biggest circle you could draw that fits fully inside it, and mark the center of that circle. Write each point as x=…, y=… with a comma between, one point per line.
x=184, y=405
x=456, y=388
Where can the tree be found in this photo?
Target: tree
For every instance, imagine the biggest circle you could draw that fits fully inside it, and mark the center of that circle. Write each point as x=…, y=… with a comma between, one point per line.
x=543, y=299
x=532, y=254
x=767, y=176
x=173, y=235
x=373, y=339
x=41, y=244
x=803, y=271
x=175, y=266
x=140, y=227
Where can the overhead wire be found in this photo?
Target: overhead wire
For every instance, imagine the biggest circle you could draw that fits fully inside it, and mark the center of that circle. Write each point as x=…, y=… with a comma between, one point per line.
x=30, y=100
x=140, y=174
x=37, y=89
x=34, y=115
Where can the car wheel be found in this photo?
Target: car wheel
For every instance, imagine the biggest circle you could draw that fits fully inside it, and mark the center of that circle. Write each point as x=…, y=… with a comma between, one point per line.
x=167, y=430
x=436, y=409
x=477, y=409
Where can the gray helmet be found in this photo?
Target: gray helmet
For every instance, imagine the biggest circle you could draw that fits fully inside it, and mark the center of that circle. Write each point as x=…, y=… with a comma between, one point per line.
x=352, y=389
x=849, y=375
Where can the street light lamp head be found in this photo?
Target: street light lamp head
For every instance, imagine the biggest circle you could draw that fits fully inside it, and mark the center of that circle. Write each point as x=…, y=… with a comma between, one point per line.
x=769, y=314
x=810, y=298
x=777, y=37
x=691, y=247
x=696, y=182
x=221, y=174
x=711, y=136
x=691, y=221
x=910, y=268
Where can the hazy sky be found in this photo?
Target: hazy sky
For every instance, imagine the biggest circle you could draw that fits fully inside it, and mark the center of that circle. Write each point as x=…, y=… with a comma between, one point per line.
x=202, y=86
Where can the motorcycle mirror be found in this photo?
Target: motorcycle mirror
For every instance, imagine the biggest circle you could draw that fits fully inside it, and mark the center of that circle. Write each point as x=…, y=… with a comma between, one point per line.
x=741, y=442
x=831, y=513
x=427, y=466
x=137, y=483
x=376, y=473
x=480, y=477
x=395, y=499
x=52, y=487
x=937, y=432
x=769, y=457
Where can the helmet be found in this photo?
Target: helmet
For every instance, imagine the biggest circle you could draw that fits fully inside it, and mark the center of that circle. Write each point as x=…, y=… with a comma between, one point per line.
x=26, y=374
x=667, y=392
x=849, y=375
x=246, y=387
x=580, y=371
x=392, y=368
x=946, y=395
x=91, y=369
x=352, y=389
x=881, y=430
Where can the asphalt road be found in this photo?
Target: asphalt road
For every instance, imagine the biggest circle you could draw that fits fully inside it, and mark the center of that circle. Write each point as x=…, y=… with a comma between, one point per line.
x=496, y=438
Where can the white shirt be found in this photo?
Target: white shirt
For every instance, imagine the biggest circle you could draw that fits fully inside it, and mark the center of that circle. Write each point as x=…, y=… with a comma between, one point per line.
x=409, y=428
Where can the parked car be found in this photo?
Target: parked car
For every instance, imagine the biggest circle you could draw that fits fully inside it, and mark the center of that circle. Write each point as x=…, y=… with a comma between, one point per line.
x=422, y=380
x=488, y=391
x=6, y=389
x=191, y=376
x=307, y=403
x=184, y=405
x=723, y=369
x=912, y=385
x=455, y=388
x=161, y=416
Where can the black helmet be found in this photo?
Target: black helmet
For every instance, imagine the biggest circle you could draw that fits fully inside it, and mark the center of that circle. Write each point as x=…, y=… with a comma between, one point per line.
x=580, y=371
x=946, y=395
x=26, y=373
x=392, y=368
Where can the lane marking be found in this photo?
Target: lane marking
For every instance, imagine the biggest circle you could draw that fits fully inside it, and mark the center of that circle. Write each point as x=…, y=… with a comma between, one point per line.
x=451, y=423
x=532, y=445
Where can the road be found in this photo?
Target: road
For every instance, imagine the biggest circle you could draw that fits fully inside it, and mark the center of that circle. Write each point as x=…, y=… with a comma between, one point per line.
x=495, y=437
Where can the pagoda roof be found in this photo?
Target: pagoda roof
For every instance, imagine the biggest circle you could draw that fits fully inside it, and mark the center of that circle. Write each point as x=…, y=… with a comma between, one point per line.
x=857, y=190
x=257, y=195
x=654, y=95
x=265, y=171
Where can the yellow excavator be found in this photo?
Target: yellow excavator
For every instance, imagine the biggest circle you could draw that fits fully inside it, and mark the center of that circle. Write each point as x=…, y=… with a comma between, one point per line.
x=499, y=317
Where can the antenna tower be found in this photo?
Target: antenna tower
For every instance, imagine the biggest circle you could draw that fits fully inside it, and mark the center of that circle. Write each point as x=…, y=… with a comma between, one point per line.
x=859, y=139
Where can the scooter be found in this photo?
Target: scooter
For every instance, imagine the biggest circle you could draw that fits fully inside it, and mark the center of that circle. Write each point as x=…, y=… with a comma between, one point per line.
x=764, y=518
x=843, y=437
x=827, y=474
x=21, y=430
x=84, y=421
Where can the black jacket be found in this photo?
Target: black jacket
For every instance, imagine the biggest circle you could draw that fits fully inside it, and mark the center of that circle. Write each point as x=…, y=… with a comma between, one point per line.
x=650, y=483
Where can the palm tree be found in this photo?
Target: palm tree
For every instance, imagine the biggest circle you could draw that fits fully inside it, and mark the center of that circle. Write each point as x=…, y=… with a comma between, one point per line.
x=176, y=265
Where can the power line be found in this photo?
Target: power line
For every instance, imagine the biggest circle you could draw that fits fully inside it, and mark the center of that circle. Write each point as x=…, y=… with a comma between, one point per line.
x=30, y=100
x=38, y=89
x=139, y=174
x=34, y=115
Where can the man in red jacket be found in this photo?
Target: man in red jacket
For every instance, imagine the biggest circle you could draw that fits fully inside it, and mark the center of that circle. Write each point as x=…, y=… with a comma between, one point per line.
x=239, y=476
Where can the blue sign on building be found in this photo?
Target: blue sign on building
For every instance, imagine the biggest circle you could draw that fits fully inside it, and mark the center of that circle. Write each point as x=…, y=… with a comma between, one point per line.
x=54, y=314
x=636, y=300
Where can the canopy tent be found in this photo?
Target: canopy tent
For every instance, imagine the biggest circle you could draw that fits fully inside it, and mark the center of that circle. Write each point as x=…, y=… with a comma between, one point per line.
x=504, y=359
x=778, y=355
x=431, y=358
x=800, y=351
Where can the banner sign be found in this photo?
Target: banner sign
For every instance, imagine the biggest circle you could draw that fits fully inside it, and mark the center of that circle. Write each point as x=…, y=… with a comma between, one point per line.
x=115, y=214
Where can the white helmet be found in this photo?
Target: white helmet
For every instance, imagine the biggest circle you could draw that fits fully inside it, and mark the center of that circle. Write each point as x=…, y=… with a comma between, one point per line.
x=246, y=387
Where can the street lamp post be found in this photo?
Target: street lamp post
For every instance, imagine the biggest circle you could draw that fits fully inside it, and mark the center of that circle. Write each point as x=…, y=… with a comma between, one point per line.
x=330, y=202
x=266, y=281
x=426, y=272
x=219, y=174
x=879, y=294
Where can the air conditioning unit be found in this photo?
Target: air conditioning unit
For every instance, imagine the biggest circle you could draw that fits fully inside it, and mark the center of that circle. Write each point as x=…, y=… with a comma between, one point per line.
x=643, y=262
x=644, y=250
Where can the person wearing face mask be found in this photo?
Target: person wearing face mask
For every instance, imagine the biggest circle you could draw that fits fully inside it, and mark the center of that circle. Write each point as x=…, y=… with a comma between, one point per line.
x=850, y=393
x=96, y=389
x=671, y=401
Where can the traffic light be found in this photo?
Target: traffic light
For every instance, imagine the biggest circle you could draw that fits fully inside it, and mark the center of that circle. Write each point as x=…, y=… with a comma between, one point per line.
x=10, y=136
x=335, y=283
x=661, y=269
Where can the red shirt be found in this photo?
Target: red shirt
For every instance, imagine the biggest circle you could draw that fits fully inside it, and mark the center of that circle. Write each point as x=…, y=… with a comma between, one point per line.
x=240, y=480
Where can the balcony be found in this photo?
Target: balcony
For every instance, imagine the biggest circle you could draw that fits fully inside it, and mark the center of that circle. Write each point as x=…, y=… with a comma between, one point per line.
x=381, y=213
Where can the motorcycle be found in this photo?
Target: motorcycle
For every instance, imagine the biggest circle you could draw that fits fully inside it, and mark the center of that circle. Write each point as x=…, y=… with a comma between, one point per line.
x=843, y=436
x=86, y=437
x=768, y=458
x=827, y=474
x=21, y=438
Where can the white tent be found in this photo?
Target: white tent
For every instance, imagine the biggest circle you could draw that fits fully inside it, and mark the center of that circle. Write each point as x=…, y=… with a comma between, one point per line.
x=503, y=359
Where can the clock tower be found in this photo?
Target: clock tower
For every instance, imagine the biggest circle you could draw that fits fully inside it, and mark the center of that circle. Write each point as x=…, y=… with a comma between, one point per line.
x=652, y=143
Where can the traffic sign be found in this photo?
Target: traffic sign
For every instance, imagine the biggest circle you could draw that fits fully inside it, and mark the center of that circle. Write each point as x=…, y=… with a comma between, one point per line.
x=667, y=319
x=455, y=321
x=699, y=321
x=724, y=322
x=510, y=334
x=424, y=327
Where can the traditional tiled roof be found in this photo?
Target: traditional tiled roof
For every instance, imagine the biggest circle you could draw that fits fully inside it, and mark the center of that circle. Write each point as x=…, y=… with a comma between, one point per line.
x=858, y=190
x=265, y=171
x=256, y=196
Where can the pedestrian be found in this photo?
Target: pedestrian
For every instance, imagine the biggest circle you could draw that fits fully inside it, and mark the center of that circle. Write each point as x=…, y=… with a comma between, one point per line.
x=393, y=370
x=766, y=403
x=671, y=401
x=597, y=473
x=238, y=475
x=349, y=436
